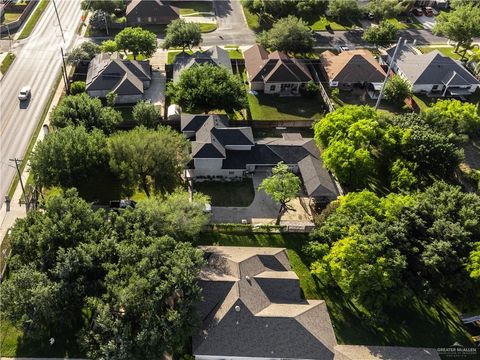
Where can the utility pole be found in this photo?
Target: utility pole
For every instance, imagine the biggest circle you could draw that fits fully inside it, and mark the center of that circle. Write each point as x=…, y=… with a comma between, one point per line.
x=64, y=70
x=9, y=38
x=388, y=73
x=17, y=161
x=58, y=18
x=106, y=23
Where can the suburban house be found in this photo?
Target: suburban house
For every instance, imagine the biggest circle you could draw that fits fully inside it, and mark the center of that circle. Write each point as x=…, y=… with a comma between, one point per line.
x=433, y=74
x=227, y=153
x=127, y=78
x=150, y=12
x=353, y=68
x=215, y=56
x=253, y=309
x=275, y=73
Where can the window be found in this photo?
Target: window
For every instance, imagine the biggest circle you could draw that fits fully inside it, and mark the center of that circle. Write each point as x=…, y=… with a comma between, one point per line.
x=149, y=19
x=139, y=19
x=231, y=172
x=272, y=87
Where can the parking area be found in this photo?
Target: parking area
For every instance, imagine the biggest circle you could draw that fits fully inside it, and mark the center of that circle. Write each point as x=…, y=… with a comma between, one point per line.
x=428, y=22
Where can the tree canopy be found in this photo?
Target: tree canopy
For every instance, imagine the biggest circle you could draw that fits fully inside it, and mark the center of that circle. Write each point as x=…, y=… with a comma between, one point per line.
x=182, y=34
x=149, y=158
x=68, y=156
x=127, y=289
x=108, y=6
x=461, y=25
x=85, y=52
x=208, y=87
x=305, y=9
x=137, y=41
x=146, y=114
x=397, y=89
x=81, y=109
x=383, y=34
x=290, y=34
x=366, y=149
x=378, y=250
x=384, y=9
x=282, y=186
x=343, y=9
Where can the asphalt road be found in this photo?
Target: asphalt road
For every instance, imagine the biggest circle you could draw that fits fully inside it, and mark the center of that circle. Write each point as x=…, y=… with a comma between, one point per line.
x=37, y=65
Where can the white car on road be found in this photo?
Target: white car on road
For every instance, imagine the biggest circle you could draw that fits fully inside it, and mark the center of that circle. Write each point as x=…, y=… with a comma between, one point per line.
x=24, y=93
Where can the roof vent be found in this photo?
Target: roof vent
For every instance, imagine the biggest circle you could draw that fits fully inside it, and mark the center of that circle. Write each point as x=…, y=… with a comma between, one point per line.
x=247, y=278
x=237, y=308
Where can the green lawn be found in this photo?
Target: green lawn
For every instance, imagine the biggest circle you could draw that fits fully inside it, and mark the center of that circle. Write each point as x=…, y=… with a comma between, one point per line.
x=7, y=61
x=402, y=25
x=321, y=24
x=445, y=50
x=233, y=193
x=274, y=107
x=194, y=8
x=33, y=19
x=139, y=57
x=173, y=53
x=207, y=27
x=11, y=17
x=233, y=53
x=415, y=324
x=252, y=19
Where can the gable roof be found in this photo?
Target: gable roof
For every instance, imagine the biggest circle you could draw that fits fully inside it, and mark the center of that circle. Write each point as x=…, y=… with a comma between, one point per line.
x=145, y=8
x=193, y=122
x=431, y=68
x=243, y=321
x=352, y=66
x=316, y=178
x=110, y=72
x=214, y=56
x=274, y=67
x=361, y=352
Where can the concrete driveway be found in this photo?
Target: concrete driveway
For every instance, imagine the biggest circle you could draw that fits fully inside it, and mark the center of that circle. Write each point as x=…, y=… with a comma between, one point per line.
x=427, y=21
x=156, y=92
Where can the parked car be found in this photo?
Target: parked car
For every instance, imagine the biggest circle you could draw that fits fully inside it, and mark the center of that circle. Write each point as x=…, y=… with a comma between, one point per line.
x=428, y=11
x=116, y=205
x=417, y=12
x=24, y=93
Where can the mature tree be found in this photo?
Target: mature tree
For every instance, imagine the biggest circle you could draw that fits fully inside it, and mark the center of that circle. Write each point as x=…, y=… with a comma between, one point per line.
x=383, y=34
x=108, y=46
x=305, y=9
x=54, y=265
x=149, y=157
x=343, y=9
x=108, y=6
x=461, y=25
x=83, y=110
x=289, y=34
x=282, y=186
x=397, y=90
x=474, y=262
x=111, y=98
x=137, y=41
x=149, y=304
x=452, y=116
x=85, y=52
x=146, y=114
x=182, y=34
x=384, y=9
x=206, y=88
x=68, y=157
x=420, y=241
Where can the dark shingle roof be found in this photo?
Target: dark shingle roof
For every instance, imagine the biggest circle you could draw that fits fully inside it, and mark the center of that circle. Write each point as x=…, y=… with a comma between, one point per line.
x=145, y=8
x=191, y=122
x=201, y=150
x=247, y=323
x=274, y=67
x=317, y=180
x=259, y=155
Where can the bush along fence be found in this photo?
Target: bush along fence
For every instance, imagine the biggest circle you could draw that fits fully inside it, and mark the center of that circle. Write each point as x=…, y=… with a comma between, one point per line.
x=260, y=228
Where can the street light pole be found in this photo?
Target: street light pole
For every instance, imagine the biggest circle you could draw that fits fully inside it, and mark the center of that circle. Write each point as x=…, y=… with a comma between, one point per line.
x=58, y=18
x=16, y=161
x=388, y=73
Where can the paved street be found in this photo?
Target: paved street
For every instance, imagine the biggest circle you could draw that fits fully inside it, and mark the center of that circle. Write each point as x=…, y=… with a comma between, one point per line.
x=37, y=64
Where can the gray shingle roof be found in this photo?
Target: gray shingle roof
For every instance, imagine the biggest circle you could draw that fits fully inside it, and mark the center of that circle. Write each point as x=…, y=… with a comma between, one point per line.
x=247, y=322
x=146, y=8
x=360, y=352
x=213, y=56
x=316, y=178
x=193, y=122
x=110, y=72
x=431, y=68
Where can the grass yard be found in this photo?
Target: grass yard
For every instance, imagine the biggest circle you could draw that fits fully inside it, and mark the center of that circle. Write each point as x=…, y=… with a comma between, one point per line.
x=195, y=8
x=402, y=25
x=415, y=324
x=233, y=193
x=235, y=54
x=33, y=19
x=173, y=53
x=253, y=21
x=140, y=57
x=273, y=107
x=207, y=27
x=10, y=17
x=445, y=50
x=321, y=24
x=7, y=61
